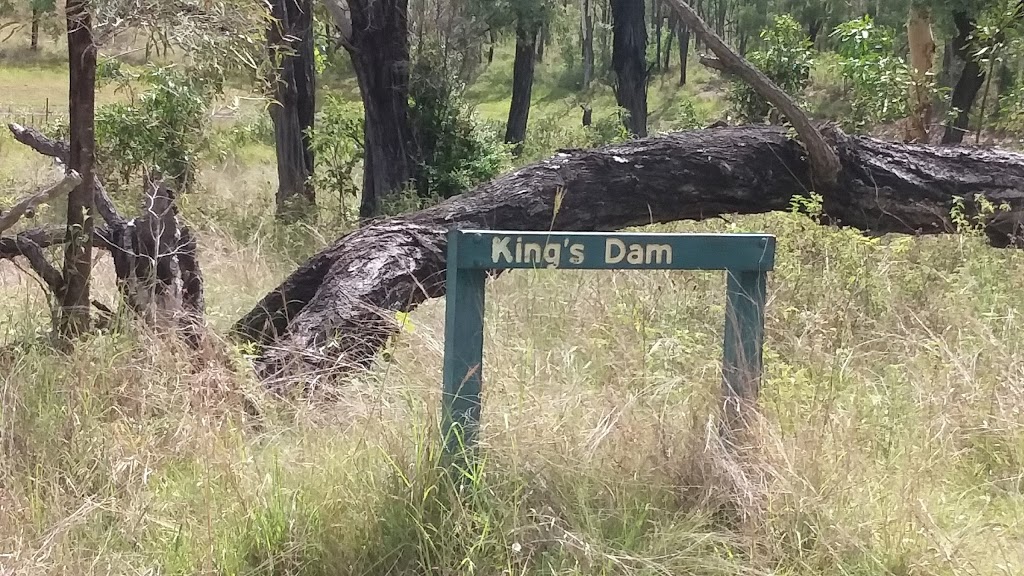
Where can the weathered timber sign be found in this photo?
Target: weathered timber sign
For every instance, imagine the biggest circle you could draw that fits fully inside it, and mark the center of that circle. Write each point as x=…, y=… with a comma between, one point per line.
x=746, y=259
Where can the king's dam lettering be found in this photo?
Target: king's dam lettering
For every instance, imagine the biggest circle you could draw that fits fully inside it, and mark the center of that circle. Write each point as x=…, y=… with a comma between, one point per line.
x=513, y=250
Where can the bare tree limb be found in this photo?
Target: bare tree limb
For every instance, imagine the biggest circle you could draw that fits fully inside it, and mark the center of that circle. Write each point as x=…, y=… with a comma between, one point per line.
x=824, y=160
x=47, y=236
x=9, y=218
x=713, y=63
x=48, y=272
x=59, y=150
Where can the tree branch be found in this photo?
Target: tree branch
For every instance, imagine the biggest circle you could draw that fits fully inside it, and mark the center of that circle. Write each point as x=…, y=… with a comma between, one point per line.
x=9, y=218
x=59, y=150
x=48, y=272
x=824, y=160
x=45, y=237
x=714, y=63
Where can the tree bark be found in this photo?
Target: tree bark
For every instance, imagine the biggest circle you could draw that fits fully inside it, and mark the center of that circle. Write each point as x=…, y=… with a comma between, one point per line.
x=971, y=78
x=522, y=83
x=376, y=35
x=672, y=28
x=290, y=41
x=337, y=309
x=34, y=40
x=922, y=54
x=73, y=318
x=684, y=51
x=587, y=36
x=629, y=60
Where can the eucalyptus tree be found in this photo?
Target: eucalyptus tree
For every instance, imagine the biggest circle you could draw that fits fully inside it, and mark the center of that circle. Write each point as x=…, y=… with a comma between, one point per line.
x=629, y=60
x=292, y=111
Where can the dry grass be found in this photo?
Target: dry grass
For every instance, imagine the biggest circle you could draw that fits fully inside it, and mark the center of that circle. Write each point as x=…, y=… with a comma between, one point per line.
x=891, y=442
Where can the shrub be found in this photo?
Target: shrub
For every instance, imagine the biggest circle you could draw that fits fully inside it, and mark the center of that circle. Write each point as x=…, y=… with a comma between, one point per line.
x=785, y=56
x=337, y=142
x=166, y=126
x=878, y=80
x=457, y=151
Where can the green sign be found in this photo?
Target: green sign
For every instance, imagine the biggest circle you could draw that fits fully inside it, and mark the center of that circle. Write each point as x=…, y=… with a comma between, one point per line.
x=746, y=259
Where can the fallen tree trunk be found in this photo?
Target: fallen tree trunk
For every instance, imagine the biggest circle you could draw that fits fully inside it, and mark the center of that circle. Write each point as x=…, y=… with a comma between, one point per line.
x=337, y=309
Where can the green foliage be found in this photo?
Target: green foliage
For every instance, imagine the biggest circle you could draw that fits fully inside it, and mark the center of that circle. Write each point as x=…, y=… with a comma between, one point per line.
x=548, y=134
x=969, y=220
x=337, y=142
x=687, y=117
x=165, y=127
x=879, y=81
x=785, y=56
x=457, y=151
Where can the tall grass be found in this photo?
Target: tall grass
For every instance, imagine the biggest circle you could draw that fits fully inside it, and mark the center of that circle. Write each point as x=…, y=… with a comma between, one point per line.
x=891, y=440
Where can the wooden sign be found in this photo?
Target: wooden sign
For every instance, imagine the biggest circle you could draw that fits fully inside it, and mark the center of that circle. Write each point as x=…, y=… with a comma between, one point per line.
x=746, y=259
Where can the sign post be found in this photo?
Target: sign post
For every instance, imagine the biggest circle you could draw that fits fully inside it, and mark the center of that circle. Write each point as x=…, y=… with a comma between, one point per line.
x=746, y=259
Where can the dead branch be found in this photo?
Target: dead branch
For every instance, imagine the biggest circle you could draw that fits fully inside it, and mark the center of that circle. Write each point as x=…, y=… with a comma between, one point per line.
x=60, y=151
x=9, y=218
x=824, y=160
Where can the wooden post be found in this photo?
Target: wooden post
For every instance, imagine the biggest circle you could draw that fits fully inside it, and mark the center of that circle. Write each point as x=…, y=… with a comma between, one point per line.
x=742, y=348
x=463, y=353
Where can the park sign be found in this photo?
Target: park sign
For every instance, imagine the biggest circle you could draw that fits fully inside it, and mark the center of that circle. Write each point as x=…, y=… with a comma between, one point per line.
x=746, y=259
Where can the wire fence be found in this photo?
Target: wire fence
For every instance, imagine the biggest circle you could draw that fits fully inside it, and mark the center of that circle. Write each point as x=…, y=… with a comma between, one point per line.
x=35, y=117
x=45, y=115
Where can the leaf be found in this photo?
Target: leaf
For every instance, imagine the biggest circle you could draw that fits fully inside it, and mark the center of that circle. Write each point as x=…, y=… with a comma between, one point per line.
x=405, y=322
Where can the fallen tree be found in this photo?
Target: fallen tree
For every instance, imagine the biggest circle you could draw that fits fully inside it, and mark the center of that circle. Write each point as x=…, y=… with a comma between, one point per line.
x=337, y=310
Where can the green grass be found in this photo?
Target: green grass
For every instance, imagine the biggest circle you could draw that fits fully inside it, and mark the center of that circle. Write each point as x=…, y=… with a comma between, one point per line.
x=891, y=440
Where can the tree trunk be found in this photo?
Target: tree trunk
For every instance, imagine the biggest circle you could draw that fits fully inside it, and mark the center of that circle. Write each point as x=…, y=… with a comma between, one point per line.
x=522, y=83
x=672, y=29
x=657, y=35
x=684, y=51
x=813, y=29
x=702, y=12
x=722, y=9
x=492, y=40
x=587, y=37
x=34, y=41
x=155, y=257
x=338, y=308
x=542, y=40
x=971, y=78
x=290, y=40
x=1007, y=78
x=73, y=317
x=922, y=54
x=629, y=60
x=378, y=43
x=606, y=21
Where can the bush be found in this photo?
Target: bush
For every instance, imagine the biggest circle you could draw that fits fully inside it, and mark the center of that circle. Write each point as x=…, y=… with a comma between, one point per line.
x=548, y=133
x=337, y=142
x=457, y=151
x=785, y=57
x=165, y=127
x=878, y=80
